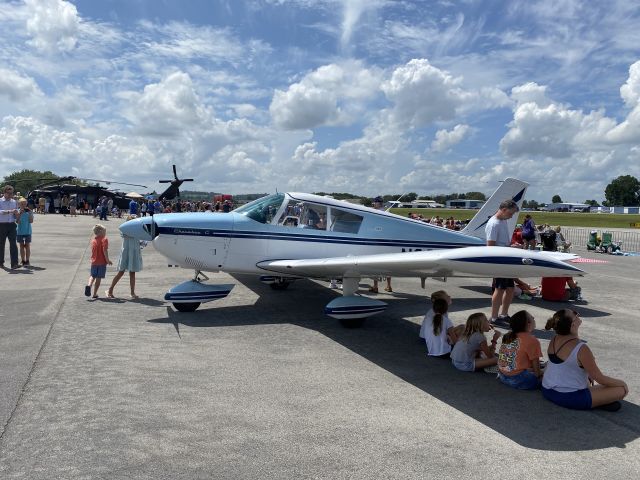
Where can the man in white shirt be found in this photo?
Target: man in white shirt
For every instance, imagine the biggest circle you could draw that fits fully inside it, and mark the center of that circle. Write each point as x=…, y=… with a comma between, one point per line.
x=497, y=233
x=8, y=212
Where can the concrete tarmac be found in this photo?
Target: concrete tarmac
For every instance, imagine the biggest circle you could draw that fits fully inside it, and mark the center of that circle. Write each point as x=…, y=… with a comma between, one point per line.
x=263, y=385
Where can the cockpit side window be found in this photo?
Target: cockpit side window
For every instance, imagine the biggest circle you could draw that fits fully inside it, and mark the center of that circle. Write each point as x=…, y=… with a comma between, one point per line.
x=263, y=209
x=344, y=222
x=313, y=216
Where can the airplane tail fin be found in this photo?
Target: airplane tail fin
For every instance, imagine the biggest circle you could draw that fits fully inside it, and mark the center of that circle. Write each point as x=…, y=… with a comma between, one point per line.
x=510, y=188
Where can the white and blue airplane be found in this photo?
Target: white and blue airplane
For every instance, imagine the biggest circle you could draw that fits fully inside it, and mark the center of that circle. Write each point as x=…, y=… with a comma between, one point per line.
x=287, y=236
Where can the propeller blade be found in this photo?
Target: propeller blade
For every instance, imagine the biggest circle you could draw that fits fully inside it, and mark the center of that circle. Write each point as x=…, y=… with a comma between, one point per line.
x=175, y=174
x=165, y=181
x=187, y=180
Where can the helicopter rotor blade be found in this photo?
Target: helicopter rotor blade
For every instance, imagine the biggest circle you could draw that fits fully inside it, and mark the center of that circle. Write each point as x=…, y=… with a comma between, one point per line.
x=111, y=181
x=175, y=174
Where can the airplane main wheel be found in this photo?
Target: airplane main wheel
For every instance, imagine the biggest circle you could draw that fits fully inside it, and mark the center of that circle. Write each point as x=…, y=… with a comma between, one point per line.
x=280, y=285
x=352, y=322
x=187, y=307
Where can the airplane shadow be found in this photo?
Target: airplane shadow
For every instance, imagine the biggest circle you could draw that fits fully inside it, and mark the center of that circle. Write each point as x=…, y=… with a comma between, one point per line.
x=390, y=341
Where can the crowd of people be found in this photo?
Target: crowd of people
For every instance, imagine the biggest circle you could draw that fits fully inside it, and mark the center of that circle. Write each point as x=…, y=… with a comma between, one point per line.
x=450, y=222
x=105, y=206
x=529, y=236
x=571, y=378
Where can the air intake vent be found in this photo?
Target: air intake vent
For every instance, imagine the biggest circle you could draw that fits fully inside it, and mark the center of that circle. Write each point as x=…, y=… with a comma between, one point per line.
x=192, y=262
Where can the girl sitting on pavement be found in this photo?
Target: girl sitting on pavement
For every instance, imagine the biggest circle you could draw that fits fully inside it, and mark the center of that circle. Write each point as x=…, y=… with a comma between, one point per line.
x=429, y=315
x=466, y=352
x=572, y=370
x=439, y=332
x=520, y=353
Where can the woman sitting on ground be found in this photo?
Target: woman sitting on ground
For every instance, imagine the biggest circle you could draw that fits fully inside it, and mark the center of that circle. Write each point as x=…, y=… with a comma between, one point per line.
x=520, y=353
x=572, y=370
x=466, y=352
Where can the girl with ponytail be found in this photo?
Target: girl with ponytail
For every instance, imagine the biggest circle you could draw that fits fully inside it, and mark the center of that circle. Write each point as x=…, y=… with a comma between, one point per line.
x=437, y=329
x=520, y=353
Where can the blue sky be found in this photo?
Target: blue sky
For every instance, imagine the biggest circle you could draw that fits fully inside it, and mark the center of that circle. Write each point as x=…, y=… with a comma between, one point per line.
x=365, y=96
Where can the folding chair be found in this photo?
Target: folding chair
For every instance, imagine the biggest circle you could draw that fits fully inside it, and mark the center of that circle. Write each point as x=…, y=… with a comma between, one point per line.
x=592, y=241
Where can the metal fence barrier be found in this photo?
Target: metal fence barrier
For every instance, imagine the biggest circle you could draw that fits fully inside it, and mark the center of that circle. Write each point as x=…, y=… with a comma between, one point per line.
x=579, y=236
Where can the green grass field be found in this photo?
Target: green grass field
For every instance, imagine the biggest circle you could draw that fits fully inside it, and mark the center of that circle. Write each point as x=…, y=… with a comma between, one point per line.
x=568, y=219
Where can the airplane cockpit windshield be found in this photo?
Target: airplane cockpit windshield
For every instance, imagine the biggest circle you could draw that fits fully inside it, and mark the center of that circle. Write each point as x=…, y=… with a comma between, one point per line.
x=263, y=209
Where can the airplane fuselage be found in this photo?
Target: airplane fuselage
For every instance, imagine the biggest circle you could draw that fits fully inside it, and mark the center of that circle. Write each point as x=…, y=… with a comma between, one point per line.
x=235, y=242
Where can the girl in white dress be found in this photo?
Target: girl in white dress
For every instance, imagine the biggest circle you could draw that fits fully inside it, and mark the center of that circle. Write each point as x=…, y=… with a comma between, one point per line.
x=130, y=260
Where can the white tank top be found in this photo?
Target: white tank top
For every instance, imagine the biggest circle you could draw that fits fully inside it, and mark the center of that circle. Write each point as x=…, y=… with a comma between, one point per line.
x=566, y=376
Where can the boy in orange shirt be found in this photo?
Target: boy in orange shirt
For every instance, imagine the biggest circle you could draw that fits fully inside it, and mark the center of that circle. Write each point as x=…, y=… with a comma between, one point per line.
x=99, y=260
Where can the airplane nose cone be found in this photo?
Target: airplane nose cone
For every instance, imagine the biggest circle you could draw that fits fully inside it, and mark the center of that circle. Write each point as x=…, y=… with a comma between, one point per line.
x=139, y=228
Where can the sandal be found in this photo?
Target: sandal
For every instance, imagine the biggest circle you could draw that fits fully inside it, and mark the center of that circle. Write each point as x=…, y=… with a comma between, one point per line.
x=109, y=295
x=388, y=289
x=373, y=289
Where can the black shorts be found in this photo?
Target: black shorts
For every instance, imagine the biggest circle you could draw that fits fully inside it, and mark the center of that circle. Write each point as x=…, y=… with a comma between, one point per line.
x=503, y=283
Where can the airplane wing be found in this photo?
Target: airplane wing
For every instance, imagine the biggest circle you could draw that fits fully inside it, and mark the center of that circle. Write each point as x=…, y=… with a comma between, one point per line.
x=476, y=262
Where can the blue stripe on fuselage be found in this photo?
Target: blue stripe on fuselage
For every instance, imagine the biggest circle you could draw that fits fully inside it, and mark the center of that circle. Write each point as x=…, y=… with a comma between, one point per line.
x=517, y=261
x=296, y=237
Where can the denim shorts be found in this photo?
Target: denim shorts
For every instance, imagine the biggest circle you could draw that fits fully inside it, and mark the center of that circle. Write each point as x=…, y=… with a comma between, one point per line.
x=23, y=239
x=524, y=380
x=465, y=366
x=578, y=400
x=98, y=271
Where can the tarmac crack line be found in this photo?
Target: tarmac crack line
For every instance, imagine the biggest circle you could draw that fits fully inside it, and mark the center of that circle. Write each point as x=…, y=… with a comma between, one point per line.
x=44, y=343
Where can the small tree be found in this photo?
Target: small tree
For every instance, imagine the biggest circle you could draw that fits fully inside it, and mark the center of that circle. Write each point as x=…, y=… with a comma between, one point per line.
x=556, y=199
x=624, y=190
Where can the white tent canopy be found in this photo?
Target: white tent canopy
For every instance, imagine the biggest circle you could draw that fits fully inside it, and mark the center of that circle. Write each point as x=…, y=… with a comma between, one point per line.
x=133, y=195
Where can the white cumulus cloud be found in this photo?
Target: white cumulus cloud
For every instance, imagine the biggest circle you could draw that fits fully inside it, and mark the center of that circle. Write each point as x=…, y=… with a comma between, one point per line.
x=330, y=95
x=16, y=87
x=52, y=24
x=170, y=107
x=423, y=93
x=445, y=139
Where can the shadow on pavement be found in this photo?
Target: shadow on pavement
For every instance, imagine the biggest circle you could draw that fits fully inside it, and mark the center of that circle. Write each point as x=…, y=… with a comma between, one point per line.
x=390, y=341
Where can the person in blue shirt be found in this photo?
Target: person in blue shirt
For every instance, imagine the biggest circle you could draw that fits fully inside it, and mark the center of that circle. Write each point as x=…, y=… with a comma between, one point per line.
x=133, y=207
x=24, y=219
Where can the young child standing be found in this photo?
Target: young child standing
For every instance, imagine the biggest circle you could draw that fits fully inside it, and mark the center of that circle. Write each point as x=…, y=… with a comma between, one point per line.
x=24, y=219
x=99, y=259
x=466, y=352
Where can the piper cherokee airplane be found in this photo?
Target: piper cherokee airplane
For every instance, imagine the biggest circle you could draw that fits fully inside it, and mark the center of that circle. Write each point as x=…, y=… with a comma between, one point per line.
x=288, y=236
